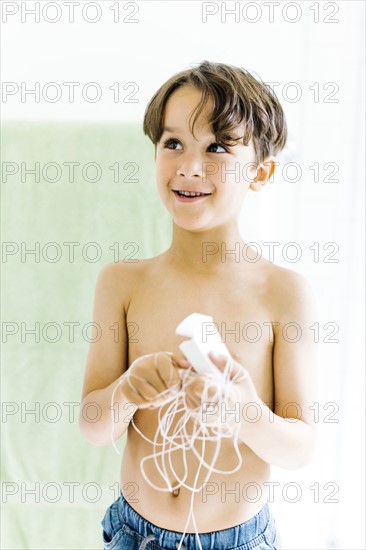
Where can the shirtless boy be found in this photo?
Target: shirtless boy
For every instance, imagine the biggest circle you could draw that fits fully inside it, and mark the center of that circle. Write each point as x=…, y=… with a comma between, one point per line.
x=220, y=148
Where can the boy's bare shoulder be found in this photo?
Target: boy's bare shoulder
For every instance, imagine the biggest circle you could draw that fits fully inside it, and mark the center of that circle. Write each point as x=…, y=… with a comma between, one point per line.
x=289, y=292
x=284, y=279
x=127, y=269
x=123, y=276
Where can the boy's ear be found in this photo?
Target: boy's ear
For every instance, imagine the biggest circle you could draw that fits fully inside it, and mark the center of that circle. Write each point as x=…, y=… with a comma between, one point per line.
x=264, y=172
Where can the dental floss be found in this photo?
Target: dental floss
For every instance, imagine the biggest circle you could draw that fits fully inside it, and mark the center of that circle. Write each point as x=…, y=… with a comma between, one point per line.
x=181, y=440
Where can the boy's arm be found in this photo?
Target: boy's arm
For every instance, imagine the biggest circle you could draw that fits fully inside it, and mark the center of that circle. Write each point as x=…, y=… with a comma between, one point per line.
x=274, y=438
x=107, y=360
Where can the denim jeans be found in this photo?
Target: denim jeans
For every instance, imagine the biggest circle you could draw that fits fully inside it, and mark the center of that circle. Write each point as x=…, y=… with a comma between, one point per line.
x=125, y=529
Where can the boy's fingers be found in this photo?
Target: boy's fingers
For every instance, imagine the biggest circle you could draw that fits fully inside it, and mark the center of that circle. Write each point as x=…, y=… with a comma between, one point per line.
x=180, y=360
x=218, y=359
x=237, y=370
x=192, y=399
x=168, y=373
x=141, y=387
x=196, y=386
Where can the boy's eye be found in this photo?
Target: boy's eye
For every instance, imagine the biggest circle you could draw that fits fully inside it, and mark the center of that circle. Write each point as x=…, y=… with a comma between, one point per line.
x=218, y=145
x=171, y=144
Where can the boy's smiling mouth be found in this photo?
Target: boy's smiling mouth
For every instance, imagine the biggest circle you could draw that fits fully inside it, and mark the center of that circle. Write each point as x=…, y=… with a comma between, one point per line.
x=189, y=196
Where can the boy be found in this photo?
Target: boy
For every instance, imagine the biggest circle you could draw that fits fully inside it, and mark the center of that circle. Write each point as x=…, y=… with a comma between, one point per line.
x=216, y=131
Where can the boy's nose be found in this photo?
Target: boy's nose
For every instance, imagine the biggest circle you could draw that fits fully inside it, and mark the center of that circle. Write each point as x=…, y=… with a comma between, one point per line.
x=191, y=166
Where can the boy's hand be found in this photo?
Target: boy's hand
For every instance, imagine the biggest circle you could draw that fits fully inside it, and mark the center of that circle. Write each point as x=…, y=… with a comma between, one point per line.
x=243, y=381
x=145, y=380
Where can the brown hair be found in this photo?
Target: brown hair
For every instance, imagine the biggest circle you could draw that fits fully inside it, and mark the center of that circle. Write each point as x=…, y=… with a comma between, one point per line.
x=237, y=98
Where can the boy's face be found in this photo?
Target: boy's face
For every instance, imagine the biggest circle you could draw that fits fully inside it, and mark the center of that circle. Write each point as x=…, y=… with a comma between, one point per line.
x=223, y=174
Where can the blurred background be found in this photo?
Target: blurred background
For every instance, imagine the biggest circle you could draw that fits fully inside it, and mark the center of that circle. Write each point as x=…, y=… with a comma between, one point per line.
x=78, y=191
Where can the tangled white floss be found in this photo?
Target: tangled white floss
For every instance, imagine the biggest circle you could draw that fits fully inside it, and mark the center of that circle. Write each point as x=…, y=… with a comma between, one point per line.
x=173, y=427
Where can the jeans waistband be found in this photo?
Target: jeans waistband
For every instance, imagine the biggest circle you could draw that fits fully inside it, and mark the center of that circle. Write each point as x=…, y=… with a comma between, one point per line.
x=225, y=538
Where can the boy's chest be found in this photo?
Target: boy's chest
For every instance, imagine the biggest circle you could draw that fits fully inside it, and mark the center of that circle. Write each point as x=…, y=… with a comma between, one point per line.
x=240, y=312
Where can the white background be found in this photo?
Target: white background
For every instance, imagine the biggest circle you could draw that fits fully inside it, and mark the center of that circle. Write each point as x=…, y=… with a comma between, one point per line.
x=171, y=36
